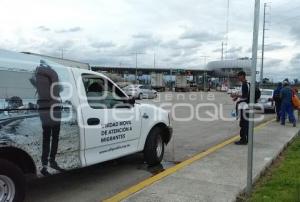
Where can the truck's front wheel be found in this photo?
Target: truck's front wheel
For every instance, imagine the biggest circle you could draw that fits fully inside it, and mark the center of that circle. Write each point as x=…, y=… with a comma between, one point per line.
x=155, y=147
x=12, y=182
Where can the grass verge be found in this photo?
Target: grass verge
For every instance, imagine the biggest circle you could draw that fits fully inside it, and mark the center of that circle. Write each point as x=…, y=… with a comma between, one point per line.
x=281, y=181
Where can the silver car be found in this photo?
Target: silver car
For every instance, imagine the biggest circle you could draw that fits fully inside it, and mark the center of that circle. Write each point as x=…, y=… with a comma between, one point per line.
x=140, y=91
x=265, y=101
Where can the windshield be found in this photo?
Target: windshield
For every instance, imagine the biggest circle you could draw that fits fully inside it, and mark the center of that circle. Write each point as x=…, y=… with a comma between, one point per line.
x=267, y=92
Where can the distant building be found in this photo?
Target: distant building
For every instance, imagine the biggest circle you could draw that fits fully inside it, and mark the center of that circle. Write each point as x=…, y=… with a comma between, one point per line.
x=229, y=68
x=65, y=62
x=226, y=71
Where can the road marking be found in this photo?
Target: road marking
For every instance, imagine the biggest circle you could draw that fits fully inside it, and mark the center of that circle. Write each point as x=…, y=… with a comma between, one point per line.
x=147, y=182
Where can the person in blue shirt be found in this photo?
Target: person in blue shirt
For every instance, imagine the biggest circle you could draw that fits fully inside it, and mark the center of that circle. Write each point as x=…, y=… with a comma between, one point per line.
x=276, y=99
x=286, y=104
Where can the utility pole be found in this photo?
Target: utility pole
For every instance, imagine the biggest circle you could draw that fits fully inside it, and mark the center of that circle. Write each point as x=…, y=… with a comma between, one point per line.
x=204, y=74
x=62, y=53
x=136, y=64
x=154, y=59
x=222, y=53
x=204, y=81
x=227, y=28
x=252, y=97
x=263, y=46
x=205, y=58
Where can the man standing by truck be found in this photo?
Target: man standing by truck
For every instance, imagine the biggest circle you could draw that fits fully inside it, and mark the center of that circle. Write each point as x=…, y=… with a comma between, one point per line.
x=50, y=113
x=242, y=102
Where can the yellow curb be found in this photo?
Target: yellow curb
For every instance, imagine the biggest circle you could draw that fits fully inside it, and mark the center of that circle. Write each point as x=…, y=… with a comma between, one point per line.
x=147, y=182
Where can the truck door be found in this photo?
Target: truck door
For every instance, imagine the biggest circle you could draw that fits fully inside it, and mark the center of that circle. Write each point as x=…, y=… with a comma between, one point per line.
x=111, y=127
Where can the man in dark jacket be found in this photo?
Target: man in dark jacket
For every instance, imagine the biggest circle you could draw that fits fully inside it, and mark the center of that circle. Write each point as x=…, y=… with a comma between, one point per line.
x=286, y=104
x=277, y=100
x=50, y=113
x=243, y=100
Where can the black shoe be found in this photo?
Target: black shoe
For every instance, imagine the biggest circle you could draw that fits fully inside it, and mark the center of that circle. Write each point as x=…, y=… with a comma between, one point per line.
x=54, y=165
x=278, y=120
x=283, y=124
x=294, y=124
x=241, y=142
x=45, y=172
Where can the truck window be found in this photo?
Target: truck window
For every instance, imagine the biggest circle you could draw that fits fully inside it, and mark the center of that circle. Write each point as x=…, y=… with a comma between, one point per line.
x=101, y=93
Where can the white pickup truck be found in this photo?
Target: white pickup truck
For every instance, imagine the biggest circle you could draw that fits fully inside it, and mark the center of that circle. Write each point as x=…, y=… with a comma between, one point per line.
x=55, y=118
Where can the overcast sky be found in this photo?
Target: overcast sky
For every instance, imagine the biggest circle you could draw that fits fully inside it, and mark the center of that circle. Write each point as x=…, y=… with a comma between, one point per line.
x=179, y=32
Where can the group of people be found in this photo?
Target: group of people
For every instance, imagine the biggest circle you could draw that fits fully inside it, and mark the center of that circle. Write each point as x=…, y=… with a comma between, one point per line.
x=284, y=96
x=286, y=100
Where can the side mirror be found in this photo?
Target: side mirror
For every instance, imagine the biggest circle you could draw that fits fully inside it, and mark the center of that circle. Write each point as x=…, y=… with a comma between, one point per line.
x=131, y=100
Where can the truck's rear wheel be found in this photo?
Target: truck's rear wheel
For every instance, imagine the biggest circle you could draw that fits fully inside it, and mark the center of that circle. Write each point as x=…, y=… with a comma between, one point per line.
x=154, y=148
x=12, y=182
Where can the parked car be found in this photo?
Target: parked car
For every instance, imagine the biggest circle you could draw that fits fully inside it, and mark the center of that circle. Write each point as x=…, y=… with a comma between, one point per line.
x=74, y=118
x=265, y=101
x=231, y=90
x=140, y=91
x=224, y=88
x=234, y=90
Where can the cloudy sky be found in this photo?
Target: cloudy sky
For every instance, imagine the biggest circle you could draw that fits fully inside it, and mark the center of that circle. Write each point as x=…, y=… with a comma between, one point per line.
x=178, y=32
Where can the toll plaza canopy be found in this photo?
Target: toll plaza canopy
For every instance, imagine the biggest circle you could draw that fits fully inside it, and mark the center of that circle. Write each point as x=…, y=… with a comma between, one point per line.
x=148, y=70
x=229, y=68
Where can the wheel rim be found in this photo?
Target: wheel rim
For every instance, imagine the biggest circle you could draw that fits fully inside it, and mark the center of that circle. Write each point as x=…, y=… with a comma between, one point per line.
x=159, y=147
x=7, y=189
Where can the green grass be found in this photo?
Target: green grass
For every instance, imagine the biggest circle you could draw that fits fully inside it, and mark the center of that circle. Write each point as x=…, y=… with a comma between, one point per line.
x=282, y=181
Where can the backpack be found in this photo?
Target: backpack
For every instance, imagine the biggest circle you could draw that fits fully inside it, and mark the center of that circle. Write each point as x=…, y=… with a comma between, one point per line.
x=257, y=94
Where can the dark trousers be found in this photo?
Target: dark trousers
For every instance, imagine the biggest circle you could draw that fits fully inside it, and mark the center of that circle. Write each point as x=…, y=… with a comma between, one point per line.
x=51, y=129
x=278, y=109
x=287, y=108
x=244, y=124
x=50, y=135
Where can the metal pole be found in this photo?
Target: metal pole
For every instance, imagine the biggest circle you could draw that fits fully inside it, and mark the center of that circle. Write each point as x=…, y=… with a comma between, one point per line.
x=263, y=46
x=222, y=54
x=227, y=28
x=171, y=84
x=154, y=60
x=136, y=67
x=204, y=81
x=252, y=96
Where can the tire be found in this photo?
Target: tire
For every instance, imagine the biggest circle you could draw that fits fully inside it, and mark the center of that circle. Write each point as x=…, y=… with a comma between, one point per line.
x=154, y=147
x=12, y=182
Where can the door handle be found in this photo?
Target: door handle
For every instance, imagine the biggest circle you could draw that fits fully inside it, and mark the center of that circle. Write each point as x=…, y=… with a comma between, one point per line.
x=145, y=116
x=93, y=121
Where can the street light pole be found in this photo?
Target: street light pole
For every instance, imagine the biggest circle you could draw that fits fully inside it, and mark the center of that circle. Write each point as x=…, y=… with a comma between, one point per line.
x=263, y=46
x=136, y=68
x=136, y=65
x=252, y=97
